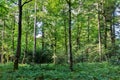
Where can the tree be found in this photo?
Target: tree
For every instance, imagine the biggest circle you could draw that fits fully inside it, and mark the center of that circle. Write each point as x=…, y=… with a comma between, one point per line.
x=70, y=58
x=99, y=33
x=4, y=12
x=35, y=22
x=3, y=34
x=18, y=51
x=65, y=27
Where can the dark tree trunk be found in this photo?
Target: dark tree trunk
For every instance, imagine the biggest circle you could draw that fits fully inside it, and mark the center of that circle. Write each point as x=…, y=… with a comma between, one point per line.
x=43, y=41
x=70, y=41
x=105, y=37
x=88, y=28
x=18, y=51
x=13, y=28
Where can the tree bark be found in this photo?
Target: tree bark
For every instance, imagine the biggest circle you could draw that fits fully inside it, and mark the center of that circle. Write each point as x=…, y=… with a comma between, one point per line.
x=13, y=28
x=99, y=34
x=18, y=51
x=70, y=41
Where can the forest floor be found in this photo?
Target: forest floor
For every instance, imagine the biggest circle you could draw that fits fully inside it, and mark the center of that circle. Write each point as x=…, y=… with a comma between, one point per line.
x=82, y=71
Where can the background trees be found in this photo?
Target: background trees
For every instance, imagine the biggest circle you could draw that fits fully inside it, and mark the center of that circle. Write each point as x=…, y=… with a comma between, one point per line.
x=83, y=29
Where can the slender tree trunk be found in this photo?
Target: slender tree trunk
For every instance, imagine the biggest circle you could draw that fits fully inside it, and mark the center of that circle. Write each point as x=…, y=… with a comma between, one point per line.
x=70, y=41
x=105, y=24
x=26, y=38
x=105, y=28
x=18, y=51
x=35, y=20
x=105, y=37
x=99, y=34
x=43, y=41
x=1, y=54
x=88, y=28
x=55, y=44
x=3, y=34
x=54, y=55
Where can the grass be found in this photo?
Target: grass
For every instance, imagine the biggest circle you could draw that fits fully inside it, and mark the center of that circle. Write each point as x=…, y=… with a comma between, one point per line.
x=82, y=71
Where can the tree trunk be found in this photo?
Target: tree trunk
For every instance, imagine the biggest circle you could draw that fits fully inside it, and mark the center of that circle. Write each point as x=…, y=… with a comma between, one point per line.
x=88, y=30
x=43, y=36
x=105, y=24
x=35, y=20
x=55, y=44
x=105, y=37
x=18, y=51
x=70, y=41
x=43, y=42
x=99, y=34
x=3, y=34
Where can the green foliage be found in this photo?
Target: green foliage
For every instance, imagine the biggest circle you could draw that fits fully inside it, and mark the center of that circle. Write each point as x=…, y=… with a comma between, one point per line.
x=40, y=56
x=84, y=71
x=54, y=17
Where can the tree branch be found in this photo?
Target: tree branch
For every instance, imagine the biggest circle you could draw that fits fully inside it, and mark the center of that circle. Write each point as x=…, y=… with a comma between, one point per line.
x=26, y=2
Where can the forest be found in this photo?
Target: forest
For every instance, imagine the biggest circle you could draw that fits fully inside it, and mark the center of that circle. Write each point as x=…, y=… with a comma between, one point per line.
x=59, y=39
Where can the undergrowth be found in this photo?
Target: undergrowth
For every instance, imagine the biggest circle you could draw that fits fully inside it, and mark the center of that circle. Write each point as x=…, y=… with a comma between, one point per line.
x=82, y=71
